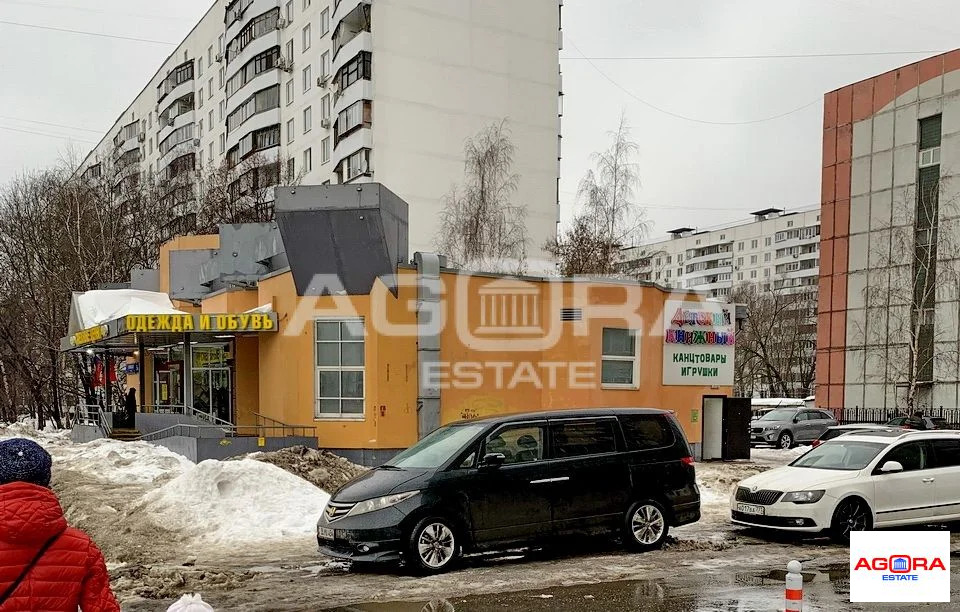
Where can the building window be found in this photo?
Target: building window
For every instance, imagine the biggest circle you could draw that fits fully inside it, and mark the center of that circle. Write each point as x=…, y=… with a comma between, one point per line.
x=307, y=78
x=200, y=67
x=324, y=21
x=307, y=35
x=325, y=65
x=308, y=160
x=210, y=153
x=739, y=261
x=766, y=257
x=291, y=168
x=290, y=131
x=754, y=244
x=289, y=11
x=200, y=162
x=767, y=241
x=766, y=272
x=739, y=246
x=325, y=107
x=262, y=62
x=669, y=259
x=260, y=102
x=739, y=276
x=200, y=129
x=618, y=365
x=290, y=90
x=223, y=143
x=325, y=150
x=307, y=119
x=257, y=27
x=753, y=259
x=306, y=4
x=753, y=274
x=210, y=120
x=355, y=116
x=354, y=165
x=223, y=107
x=789, y=223
x=339, y=368
x=289, y=51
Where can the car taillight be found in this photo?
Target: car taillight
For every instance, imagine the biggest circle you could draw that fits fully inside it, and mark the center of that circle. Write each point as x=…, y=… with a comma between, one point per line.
x=816, y=443
x=687, y=461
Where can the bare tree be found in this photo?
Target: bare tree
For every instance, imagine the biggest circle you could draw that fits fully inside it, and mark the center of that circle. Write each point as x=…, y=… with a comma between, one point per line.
x=776, y=347
x=914, y=264
x=480, y=225
x=241, y=193
x=610, y=220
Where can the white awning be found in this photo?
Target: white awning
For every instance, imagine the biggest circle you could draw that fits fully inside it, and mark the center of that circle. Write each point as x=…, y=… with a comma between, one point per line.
x=92, y=308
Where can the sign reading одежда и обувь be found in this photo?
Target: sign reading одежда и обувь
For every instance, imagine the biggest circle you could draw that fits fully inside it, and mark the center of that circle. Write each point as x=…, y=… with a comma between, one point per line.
x=698, y=343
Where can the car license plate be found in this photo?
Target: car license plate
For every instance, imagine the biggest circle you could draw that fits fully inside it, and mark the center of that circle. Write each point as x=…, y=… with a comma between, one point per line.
x=325, y=533
x=750, y=509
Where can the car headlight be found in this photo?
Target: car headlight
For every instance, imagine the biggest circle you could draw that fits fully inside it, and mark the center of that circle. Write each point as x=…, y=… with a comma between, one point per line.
x=380, y=503
x=772, y=427
x=803, y=497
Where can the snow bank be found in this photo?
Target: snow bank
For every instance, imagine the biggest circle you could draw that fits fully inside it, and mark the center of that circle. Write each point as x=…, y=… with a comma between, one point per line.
x=230, y=502
x=776, y=456
x=26, y=427
x=122, y=462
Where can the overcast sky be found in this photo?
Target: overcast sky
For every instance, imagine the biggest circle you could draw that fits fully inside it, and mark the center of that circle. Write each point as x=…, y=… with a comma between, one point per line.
x=714, y=165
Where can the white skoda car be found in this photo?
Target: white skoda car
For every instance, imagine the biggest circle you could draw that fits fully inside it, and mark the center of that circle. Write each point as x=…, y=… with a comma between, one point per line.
x=855, y=482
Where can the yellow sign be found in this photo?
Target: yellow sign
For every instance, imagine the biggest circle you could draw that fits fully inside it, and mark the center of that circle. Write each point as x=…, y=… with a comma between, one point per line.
x=86, y=336
x=261, y=442
x=205, y=322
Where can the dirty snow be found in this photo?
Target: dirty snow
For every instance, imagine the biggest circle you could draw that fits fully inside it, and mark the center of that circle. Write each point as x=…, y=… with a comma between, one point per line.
x=230, y=502
x=123, y=462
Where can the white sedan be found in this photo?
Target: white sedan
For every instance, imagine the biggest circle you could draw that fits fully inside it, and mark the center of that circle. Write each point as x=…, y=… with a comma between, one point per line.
x=855, y=482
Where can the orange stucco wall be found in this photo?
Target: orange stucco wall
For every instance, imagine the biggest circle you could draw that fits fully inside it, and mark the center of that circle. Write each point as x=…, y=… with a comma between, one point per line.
x=275, y=372
x=182, y=243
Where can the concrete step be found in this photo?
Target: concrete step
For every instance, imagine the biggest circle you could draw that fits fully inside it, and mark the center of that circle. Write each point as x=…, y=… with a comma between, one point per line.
x=125, y=435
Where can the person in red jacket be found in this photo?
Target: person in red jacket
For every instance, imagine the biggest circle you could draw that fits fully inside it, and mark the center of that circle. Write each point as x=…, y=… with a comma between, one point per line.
x=44, y=564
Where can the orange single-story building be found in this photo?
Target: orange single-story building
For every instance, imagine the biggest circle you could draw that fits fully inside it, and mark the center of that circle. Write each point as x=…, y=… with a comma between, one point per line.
x=322, y=320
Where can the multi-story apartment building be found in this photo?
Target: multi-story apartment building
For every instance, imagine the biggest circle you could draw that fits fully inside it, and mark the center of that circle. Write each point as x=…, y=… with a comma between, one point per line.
x=776, y=250
x=346, y=91
x=889, y=310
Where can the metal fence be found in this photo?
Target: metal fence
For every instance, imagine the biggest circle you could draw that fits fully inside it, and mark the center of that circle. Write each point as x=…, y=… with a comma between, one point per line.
x=859, y=414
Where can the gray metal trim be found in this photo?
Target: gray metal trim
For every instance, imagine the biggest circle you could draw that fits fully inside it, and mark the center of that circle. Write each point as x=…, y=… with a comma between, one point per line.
x=429, y=319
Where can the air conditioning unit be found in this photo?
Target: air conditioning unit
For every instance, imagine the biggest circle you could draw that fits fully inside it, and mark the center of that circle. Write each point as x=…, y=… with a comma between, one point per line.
x=196, y=142
x=285, y=65
x=219, y=57
x=281, y=23
x=322, y=82
x=325, y=123
x=142, y=137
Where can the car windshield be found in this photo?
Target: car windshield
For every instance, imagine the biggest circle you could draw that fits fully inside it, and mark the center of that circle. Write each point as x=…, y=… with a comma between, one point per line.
x=840, y=454
x=778, y=415
x=437, y=448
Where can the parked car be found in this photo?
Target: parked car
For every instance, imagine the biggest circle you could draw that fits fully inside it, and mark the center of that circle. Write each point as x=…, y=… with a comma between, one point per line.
x=785, y=427
x=922, y=423
x=855, y=482
x=839, y=430
x=514, y=480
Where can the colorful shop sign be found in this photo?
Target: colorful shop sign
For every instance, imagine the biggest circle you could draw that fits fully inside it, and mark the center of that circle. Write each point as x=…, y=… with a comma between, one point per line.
x=177, y=323
x=698, y=343
x=86, y=336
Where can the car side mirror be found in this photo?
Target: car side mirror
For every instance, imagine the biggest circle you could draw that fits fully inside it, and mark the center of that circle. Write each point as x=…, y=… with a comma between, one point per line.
x=493, y=460
x=796, y=419
x=891, y=467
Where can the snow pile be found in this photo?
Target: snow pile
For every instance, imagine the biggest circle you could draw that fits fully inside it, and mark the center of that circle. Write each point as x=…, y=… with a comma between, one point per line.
x=320, y=467
x=123, y=462
x=776, y=457
x=230, y=502
x=26, y=427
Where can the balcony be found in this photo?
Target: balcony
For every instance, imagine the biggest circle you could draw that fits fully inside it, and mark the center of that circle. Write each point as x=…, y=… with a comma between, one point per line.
x=353, y=24
x=345, y=7
x=176, y=83
x=250, y=39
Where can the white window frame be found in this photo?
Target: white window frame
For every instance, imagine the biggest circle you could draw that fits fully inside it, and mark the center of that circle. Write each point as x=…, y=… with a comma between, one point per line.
x=635, y=359
x=929, y=157
x=291, y=130
x=325, y=151
x=327, y=416
x=324, y=21
x=307, y=75
x=307, y=38
x=307, y=119
x=308, y=160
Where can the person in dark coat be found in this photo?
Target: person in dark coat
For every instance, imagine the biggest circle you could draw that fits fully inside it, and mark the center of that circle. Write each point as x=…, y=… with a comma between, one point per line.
x=130, y=407
x=44, y=564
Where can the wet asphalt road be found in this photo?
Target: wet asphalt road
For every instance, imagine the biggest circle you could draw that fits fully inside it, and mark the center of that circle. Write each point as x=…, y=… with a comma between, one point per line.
x=826, y=589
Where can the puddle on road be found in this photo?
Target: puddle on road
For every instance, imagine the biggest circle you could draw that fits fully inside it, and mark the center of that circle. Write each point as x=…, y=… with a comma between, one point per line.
x=738, y=592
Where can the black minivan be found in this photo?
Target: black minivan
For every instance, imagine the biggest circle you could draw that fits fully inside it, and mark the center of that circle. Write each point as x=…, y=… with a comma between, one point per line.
x=513, y=480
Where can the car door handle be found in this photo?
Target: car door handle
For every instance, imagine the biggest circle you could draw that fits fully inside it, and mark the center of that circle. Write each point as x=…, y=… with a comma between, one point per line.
x=546, y=480
x=928, y=480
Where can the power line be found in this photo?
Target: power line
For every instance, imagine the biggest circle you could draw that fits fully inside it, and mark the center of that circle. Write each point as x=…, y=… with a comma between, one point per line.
x=89, y=10
x=743, y=57
x=60, y=136
x=115, y=36
x=59, y=125
x=678, y=115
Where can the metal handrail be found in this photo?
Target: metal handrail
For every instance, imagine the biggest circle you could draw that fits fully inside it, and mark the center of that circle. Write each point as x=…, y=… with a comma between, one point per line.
x=194, y=431
x=307, y=431
x=105, y=425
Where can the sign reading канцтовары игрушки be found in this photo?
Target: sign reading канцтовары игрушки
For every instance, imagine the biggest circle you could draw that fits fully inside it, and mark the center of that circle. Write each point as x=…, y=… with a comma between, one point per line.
x=698, y=343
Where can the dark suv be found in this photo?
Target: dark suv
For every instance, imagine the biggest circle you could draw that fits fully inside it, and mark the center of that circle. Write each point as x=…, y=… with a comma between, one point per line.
x=514, y=480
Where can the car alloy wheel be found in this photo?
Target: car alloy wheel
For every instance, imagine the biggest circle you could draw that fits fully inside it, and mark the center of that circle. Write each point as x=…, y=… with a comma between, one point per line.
x=851, y=515
x=436, y=545
x=647, y=524
x=785, y=441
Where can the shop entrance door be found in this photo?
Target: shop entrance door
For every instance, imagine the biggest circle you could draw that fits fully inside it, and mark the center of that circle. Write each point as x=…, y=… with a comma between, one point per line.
x=212, y=392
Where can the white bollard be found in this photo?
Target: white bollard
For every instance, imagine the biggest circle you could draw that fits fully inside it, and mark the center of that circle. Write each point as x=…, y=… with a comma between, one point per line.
x=793, y=596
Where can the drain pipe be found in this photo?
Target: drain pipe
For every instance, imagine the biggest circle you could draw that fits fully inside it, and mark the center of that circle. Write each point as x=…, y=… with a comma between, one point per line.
x=429, y=289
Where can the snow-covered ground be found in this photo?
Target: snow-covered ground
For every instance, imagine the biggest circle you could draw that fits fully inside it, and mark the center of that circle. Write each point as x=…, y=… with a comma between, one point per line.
x=213, y=503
